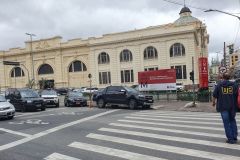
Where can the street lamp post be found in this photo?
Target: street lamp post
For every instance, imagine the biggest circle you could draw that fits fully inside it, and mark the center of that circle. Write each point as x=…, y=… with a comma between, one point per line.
x=215, y=10
x=31, y=53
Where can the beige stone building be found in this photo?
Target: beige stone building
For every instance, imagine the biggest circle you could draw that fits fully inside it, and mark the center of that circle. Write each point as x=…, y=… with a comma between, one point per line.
x=111, y=59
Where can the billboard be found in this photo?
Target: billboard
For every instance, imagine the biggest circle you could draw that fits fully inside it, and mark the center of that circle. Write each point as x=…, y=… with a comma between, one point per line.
x=203, y=72
x=159, y=80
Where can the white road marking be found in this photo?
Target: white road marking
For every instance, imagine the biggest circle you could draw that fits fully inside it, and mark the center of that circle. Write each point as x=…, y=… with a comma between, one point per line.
x=173, y=125
x=37, y=113
x=113, y=152
x=169, y=130
x=177, y=117
x=172, y=138
x=44, y=133
x=170, y=120
x=180, y=114
x=166, y=148
x=58, y=156
x=15, y=132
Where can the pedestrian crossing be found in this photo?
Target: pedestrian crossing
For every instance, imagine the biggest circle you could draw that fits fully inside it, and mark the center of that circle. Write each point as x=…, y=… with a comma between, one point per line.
x=157, y=135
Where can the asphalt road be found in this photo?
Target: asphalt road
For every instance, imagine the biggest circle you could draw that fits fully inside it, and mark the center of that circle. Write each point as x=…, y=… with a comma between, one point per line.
x=82, y=133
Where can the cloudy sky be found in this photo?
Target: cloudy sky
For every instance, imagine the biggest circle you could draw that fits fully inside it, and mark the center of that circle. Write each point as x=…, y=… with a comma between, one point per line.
x=85, y=18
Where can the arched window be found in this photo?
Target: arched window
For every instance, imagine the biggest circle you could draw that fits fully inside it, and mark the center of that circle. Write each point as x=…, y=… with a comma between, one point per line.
x=17, y=72
x=77, y=66
x=45, y=69
x=177, y=49
x=150, y=53
x=125, y=56
x=103, y=58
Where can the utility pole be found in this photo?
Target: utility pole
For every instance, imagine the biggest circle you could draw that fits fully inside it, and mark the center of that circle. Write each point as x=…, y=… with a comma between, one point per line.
x=224, y=54
x=31, y=54
x=193, y=82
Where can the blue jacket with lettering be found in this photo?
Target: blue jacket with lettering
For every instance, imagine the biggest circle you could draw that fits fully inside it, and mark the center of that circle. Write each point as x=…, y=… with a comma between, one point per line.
x=226, y=93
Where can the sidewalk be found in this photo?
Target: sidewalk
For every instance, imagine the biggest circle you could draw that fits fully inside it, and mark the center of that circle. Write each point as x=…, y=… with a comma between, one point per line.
x=179, y=106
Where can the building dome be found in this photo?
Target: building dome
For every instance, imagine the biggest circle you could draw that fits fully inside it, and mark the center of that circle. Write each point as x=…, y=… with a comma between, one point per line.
x=185, y=9
x=185, y=17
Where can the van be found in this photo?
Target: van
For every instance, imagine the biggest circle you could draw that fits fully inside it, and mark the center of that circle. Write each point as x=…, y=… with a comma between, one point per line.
x=24, y=99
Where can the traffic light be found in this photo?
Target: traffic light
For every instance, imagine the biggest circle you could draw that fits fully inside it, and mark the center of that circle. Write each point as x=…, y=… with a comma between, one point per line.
x=11, y=63
x=231, y=49
x=192, y=75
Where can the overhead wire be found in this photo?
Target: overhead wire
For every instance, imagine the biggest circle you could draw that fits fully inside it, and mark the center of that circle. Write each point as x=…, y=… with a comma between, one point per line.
x=182, y=4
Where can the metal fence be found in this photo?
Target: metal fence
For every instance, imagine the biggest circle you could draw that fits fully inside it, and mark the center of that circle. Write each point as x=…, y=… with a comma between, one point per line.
x=182, y=96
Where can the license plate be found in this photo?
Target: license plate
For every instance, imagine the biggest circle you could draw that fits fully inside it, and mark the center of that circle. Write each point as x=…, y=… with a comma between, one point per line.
x=77, y=102
x=38, y=105
x=2, y=113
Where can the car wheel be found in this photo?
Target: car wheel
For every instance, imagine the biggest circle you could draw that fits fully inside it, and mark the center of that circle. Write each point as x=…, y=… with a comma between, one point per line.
x=24, y=109
x=43, y=108
x=10, y=117
x=147, y=106
x=67, y=104
x=100, y=103
x=132, y=104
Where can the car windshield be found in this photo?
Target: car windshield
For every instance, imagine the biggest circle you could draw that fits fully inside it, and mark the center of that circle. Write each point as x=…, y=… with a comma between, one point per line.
x=75, y=94
x=49, y=92
x=131, y=89
x=28, y=94
x=2, y=99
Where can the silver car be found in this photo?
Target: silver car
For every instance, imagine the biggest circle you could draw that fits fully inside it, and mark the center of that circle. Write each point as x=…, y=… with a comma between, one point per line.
x=7, y=110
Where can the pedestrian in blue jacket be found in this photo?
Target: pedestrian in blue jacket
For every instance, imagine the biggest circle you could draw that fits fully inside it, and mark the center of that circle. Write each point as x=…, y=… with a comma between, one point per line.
x=226, y=93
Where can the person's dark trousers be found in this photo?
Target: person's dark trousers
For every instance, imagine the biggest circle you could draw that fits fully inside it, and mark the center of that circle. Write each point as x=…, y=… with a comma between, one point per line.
x=230, y=125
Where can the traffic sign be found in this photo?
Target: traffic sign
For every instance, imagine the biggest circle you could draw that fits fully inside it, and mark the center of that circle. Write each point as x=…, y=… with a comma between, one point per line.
x=222, y=69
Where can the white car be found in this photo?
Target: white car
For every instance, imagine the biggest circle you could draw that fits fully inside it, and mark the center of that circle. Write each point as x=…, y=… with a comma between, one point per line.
x=50, y=97
x=89, y=90
x=7, y=110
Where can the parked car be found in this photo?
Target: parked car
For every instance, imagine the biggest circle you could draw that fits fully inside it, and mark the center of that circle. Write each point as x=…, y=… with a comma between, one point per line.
x=7, y=110
x=179, y=86
x=50, y=97
x=62, y=91
x=126, y=96
x=24, y=99
x=90, y=90
x=75, y=99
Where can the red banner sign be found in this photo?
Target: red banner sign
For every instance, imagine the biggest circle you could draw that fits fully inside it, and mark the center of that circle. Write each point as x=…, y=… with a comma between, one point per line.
x=164, y=79
x=203, y=72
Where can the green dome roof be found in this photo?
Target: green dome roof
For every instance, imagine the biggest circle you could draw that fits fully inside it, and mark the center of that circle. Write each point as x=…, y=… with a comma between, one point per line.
x=185, y=17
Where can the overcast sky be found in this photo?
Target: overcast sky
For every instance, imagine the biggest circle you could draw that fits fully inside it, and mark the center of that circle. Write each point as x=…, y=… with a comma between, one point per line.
x=85, y=18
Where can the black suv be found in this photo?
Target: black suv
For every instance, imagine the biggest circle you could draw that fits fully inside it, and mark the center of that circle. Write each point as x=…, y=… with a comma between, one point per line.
x=24, y=99
x=119, y=95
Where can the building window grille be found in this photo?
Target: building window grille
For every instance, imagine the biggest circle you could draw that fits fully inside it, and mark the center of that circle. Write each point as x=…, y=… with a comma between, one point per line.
x=45, y=69
x=127, y=76
x=125, y=56
x=77, y=66
x=150, y=53
x=17, y=72
x=103, y=58
x=104, y=78
x=176, y=50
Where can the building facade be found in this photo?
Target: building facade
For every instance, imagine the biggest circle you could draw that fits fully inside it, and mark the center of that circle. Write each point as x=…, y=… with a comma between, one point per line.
x=112, y=59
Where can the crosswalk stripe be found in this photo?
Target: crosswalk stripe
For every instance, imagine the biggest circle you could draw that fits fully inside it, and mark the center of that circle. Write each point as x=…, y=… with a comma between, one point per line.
x=113, y=152
x=181, y=115
x=15, y=132
x=172, y=138
x=177, y=117
x=166, y=148
x=58, y=156
x=170, y=120
x=172, y=125
x=169, y=130
x=179, y=112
